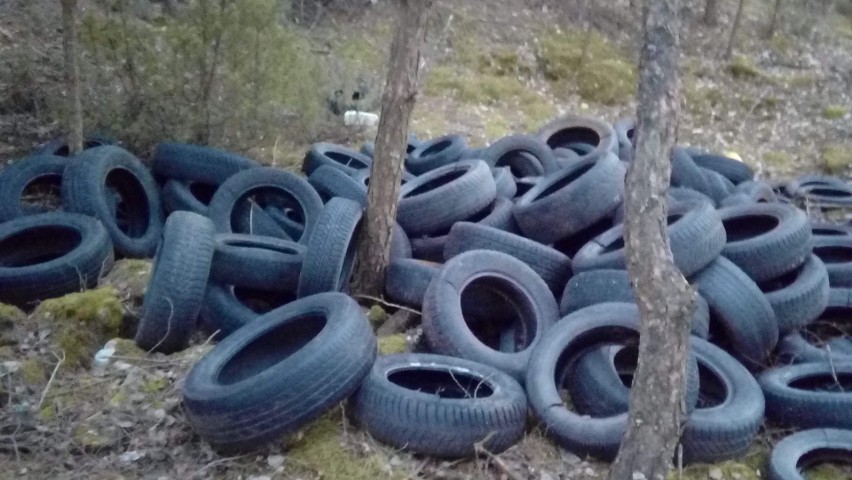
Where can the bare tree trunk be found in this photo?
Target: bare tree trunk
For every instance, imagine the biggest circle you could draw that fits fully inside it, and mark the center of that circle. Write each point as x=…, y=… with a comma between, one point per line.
x=397, y=104
x=665, y=299
x=734, y=29
x=711, y=12
x=773, y=25
x=74, y=114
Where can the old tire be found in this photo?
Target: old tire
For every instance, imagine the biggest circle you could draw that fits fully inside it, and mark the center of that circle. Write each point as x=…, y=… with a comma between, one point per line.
x=198, y=163
x=807, y=396
x=801, y=450
x=254, y=261
x=330, y=256
x=800, y=296
x=14, y=179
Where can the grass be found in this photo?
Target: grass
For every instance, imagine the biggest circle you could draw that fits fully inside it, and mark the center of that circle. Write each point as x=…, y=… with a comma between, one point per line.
x=837, y=157
x=741, y=67
x=834, y=112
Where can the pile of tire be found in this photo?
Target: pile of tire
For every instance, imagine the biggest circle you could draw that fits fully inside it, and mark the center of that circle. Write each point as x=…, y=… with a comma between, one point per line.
x=514, y=254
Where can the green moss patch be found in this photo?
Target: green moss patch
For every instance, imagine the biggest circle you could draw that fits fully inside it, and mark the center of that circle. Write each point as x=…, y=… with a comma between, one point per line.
x=392, y=344
x=743, y=68
x=10, y=313
x=837, y=157
x=834, y=112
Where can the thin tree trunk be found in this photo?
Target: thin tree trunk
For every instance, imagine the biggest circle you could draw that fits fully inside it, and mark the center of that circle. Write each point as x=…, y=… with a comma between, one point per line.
x=773, y=25
x=397, y=104
x=734, y=29
x=711, y=12
x=665, y=299
x=74, y=114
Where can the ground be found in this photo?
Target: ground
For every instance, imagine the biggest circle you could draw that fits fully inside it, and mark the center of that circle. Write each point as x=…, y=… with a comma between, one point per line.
x=500, y=67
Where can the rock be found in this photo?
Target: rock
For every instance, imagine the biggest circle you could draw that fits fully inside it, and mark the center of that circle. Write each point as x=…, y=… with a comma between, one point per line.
x=715, y=474
x=129, y=277
x=275, y=461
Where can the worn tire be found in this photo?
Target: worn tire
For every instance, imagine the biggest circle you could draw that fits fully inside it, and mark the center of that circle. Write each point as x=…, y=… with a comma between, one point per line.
x=330, y=256
x=253, y=261
x=332, y=182
x=820, y=402
x=504, y=181
x=178, y=281
x=225, y=308
x=506, y=152
x=563, y=131
x=836, y=254
x=796, y=452
x=335, y=156
x=735, y=171
x=436, y=153
x=198, y=163
x=407, y=279
x=800, y=296
x=187, y=195
x=14, y=179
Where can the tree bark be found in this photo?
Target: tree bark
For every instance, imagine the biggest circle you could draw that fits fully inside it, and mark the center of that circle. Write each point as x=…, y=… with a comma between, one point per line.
x=734, y=29
x=665, y=300
x=74, y=114
x=391, y=140
x=711, y=12
x=773, y=25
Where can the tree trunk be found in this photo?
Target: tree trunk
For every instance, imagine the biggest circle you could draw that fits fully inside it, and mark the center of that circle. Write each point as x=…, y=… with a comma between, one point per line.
x=711, y=12
x=391, y=141
x=734, y=29
x=74, y=114
x=773, y=25
x=665, y=299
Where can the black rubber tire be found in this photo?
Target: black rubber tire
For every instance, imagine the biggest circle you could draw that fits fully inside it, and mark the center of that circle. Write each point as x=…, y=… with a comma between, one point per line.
x=602, y=286
x=685, y=173
x=572, y=199
x=766, y=240
x=435, y=201
x=741, y=310
x=836, y=254
x=187, y=195
x=504, y=182
x=696, y=238
x=87, y=186
x=400, y=243
x=682, y=194
x=430, y=249
x=727, y=430
x=794, y=453
x=800, y=296
x=524, y=185
x=347, y=160
x=50, y=254
x=440, y=411
x=820, y=403
x=198, y=163
x=506, y=153
x=552, y=266
x=332, y=182
x=330, y=257
x=59, y=146
x=407, y=279
x=278, y=373
x=231, y=194
x=793, y=348
x=253, y=261
x=820, y=189
x=808, y=343
x=533, y=305
x=436, y=153
x=751, y=192
x=624, y=133
x=15, y=178
x=554, y=354
x=735, y=171
x=563, y=131
x=226, y=308
x=718, y=187
x=178, y=281
x=824, y=230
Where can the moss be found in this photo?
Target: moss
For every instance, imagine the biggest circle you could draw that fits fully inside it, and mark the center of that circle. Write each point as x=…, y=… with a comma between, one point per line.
x=834, y=112
x=89, y=438
x=83, y=322
x=828, y=471
x=119, y=398
x=750, y=467
x=47, y=413
x=495, y=126
x=32, y=372
x=608, y=82
x=376, y=315
x=155, y=385
x=837, y=157
x=392, y=344
x=781, y=43
x=778, y=159
x=321, y=450
x=125, y=347
x=10, y=313
x=743, y=68
x=502, y=62
x=7, y=353
x=700, y=97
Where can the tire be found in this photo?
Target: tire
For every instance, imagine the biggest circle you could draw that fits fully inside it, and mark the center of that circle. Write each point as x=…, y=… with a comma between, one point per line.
x=88, y=184
x=14, y=180
x=808, y=344
x=744, y=314
x=580, y=435
x=278, y=373
x=440, y=406
x=553, y=267
x=342, y=158
x=602, y=286
x=59, y=146
x=752, y=192
x=826, y=230
x=696, y=238
x=820, y=189
x=332, y=182
x=572, y=199
x=529, y=305
x=799, y=297
x=249, y=218
x=178, y=281
x=725, y=431
x=506, y=153
x=735, y=171
x=793, y=348
x=524, y=185
x=766, y=240
x=685, y=173
x=682, y=194
x=400, y=244
x=836, y=254
x=227, y=308
x=198, y=163
x=330, y=256
x=793, y=454
x=572, y=244
x=718, y=187
x=50, y=254
x=818, y=402
x=186, y=195
x=407, y=279
x=563, y=131
x=624, y=133
x=257, y=262
x=436, y=153
x=504, y=182
x=435, y=201
x=293, y=190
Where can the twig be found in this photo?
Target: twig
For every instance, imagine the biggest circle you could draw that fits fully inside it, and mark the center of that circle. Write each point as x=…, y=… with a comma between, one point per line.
x=498, y=462
x=217, y=462
x=386, y=303
x=833, y=370
x=50, y=380
x=168, y=325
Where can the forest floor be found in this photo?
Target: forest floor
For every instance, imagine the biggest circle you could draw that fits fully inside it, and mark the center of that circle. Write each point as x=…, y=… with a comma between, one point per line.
x=782, y=104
